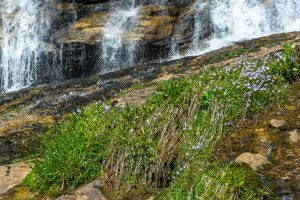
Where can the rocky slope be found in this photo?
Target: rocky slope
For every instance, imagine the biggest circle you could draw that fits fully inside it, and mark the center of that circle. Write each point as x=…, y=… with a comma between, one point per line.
x=74, y=42
x=28, y=113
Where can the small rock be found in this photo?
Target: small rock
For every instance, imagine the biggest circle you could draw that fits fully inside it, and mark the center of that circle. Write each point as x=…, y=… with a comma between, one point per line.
x=294, y=136
x=135, y=98
x=12, y=175
x=279, y=124
x=263, y=140
x=87, y=192
x=286, y=178
x=255, y=161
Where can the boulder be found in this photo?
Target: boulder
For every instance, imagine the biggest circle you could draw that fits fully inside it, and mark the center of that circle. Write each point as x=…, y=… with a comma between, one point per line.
x=255, y=161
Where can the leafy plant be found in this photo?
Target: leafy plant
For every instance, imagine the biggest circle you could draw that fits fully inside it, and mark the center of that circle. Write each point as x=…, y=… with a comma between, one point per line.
x=206, y=99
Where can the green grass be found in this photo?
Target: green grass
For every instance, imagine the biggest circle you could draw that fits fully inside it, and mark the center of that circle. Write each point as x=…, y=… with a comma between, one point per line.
x=71, y=153
x=142, y=148
x=216, y=182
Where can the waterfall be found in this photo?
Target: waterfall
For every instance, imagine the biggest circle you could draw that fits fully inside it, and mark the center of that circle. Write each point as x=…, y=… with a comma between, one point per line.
x=236, y=20
x=23, y=26
x=119, y=48
x=116, y=51
x=197, y=36
x=26, y=35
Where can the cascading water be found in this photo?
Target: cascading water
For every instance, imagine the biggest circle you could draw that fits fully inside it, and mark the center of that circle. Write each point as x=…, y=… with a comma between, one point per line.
x=236, y=20
x=197, y=36
x=115, y=52
x=119, y=49
x=23, y=28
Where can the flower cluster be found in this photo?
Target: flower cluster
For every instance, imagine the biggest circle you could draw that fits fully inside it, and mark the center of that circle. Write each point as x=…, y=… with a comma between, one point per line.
x=247, y=76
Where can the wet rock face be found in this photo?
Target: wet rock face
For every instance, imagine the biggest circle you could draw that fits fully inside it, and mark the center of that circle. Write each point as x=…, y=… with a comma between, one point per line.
x=185, y=26
x=81, y=41
x=74, y=40
x=77, y=29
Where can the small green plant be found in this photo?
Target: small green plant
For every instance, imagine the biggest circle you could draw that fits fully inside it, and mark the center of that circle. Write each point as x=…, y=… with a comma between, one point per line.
x=71, y=154
x=287, y=67
x=230, y=54
x=206, y=100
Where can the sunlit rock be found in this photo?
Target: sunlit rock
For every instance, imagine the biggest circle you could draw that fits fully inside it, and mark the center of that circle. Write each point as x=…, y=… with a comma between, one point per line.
x=294, y=136
x=278, y=124
x=255, y=161
x=12, y=175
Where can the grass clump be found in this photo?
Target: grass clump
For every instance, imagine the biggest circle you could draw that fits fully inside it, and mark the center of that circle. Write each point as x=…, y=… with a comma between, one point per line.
x=142, y=148
x=71, y=154
x=216, y=182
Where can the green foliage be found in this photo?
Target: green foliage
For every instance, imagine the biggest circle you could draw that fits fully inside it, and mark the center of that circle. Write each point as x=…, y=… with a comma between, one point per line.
x=140, y=148
x=71, y=154
x=287, y=68
x=206, y=100
x=230, y=54
x=216, y=182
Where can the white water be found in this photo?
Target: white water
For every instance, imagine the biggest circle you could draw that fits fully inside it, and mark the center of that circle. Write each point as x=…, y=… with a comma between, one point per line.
x=236, y=20
x=24, y=27
x=198, y=7
x=115, y=52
